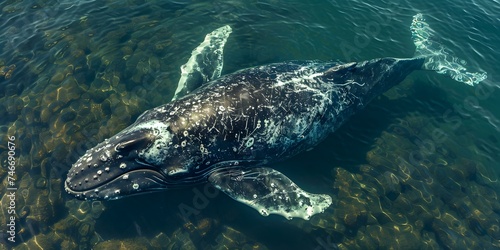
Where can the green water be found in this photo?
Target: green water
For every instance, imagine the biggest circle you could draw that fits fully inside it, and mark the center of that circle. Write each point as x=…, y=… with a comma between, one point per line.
x=418, y=168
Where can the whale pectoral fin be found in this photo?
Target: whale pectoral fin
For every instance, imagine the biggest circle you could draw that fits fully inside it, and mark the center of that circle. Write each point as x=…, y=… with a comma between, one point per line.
x=205, y=63
x=269, y=192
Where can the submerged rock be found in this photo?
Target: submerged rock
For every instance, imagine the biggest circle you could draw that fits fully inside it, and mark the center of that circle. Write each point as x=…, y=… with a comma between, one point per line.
x=417, y=194
x=128, y=244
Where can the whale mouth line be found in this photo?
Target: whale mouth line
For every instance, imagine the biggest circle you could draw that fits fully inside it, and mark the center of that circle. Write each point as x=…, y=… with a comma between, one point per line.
x=149, y=173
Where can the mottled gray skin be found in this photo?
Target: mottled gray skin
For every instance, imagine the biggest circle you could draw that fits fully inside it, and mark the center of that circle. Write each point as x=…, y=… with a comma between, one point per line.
x=252, y=117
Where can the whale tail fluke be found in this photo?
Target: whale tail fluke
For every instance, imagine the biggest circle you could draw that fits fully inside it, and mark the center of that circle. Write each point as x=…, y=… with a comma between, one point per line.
x=438, y=58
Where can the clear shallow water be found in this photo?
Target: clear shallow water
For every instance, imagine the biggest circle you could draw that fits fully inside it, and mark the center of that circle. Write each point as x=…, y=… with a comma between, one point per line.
x=74, y=73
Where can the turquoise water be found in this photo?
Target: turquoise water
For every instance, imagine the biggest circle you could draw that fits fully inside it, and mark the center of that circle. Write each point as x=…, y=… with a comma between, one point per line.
x=418, y=168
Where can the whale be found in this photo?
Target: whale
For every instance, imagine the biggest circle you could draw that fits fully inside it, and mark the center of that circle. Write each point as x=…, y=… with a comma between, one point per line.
x=230, y=130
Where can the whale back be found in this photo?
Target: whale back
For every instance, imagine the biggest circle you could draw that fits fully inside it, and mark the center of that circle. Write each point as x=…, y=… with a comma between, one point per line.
x=369, y=79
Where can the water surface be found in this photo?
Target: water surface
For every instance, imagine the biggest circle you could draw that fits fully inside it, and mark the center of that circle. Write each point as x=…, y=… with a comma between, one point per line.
x=418, y=168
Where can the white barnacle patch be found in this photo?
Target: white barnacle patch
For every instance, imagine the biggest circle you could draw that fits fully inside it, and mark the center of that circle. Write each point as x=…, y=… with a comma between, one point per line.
x=161, y=109
x=264, y=212
x=175, y=171
x=203, y=150
x=117, y=191
x=183, y=143
x=301, y=125
x=276, y=194
x=106, y=169
x=99, y=172
x=249, y=142
x=155, y=154
x=135, y=186
x=123, y=165
x=103, y=158
x=185, y=133
x=125, y=176
x=156, y=132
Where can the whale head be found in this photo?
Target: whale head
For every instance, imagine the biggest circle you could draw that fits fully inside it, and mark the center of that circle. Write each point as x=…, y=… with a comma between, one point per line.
x=136, y=160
